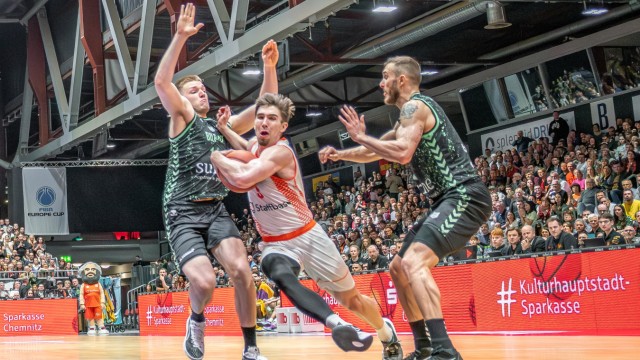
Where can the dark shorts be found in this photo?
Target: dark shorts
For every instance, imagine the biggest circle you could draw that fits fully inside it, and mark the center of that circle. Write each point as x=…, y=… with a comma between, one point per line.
x=195, y=229
x=453, y=219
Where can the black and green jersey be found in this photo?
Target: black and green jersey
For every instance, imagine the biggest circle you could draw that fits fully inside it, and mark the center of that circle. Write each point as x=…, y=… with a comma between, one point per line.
x=441, y=161
x=190, y=174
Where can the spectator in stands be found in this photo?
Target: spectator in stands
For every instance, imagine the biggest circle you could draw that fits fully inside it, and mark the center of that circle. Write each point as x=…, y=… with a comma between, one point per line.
x=611, y=237
x=4, y=294
x=630, y=204
x=497, y=242
x=614, y=183
x=354, y=255
x=222, y=279
x=629, y=234
x=522, y=142
x=163, y=282
x=376, y=261
x=514, y=247
x=621, y=220
x=356, y=268
x=41, y=293
x=530, y=242
x=558, y=128
x=558, y=238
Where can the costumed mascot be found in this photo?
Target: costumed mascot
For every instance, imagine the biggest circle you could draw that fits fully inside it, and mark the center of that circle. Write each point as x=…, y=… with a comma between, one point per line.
x=92, y=299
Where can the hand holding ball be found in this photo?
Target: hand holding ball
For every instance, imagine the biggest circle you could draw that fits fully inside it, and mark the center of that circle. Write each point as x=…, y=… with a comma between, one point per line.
x=242, y=157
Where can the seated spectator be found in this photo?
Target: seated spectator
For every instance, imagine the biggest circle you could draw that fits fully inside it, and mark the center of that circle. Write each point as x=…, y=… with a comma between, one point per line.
x=354, y=255
x=163, y=281
x=621, y=220
x=629, y=234
x=559, y=239
x=630, y=204
x=376, y=261
x=611, y=237
x=514, y=247
x=530, y=242
x=356, y=268
x=4, y=294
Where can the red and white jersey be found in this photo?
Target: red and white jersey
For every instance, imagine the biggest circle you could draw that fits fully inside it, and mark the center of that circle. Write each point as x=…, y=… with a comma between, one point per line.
x=278, y=205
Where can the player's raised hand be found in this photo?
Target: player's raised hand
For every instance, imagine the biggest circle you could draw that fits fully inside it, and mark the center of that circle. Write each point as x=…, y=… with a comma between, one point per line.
x=185, y=25
x=270, y=53
x=223, y=115
x=328, y=153
x=353, y=123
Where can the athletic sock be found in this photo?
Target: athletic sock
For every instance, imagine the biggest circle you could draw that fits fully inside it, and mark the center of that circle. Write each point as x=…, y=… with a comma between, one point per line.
x=420, y=337
x=384, y=333
x=249, y=335
x=334, y=320
x=438, y=333
x=197, y=317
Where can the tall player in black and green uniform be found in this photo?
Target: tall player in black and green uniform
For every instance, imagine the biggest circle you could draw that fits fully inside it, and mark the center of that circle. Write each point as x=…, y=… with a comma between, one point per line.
x=425, y=138
x=195, y=217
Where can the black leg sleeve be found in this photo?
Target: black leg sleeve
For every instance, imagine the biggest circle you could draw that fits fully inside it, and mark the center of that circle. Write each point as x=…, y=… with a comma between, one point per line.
x=283, y=271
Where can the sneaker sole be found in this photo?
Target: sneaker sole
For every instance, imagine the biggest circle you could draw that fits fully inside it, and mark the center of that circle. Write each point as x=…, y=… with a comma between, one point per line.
x=347, y=339
x=184, y=345
x=395, y=340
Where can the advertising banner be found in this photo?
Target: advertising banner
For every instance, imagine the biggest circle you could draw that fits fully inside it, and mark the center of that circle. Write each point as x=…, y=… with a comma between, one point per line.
x=584, y=293
x=503, y=138
x=39, y=317
x=166, y=313
x=45, y=201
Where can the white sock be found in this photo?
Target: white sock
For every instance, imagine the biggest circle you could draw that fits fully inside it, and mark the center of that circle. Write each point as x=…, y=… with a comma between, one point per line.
x=334, y=320
x=384, y=333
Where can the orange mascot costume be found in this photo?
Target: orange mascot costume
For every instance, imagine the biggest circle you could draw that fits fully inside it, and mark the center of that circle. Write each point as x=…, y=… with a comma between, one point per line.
x=92, y=299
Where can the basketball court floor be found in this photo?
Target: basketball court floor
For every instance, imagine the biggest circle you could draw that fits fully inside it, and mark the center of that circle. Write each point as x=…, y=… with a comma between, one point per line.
x=314, y=347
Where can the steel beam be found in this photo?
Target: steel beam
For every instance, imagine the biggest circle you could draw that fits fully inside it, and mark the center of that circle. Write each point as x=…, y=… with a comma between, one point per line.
x=220, y=18
x=54, y=66
x=173, y=6
x=75, y=91
x=277, y=28
x=25, y=19
x=38, y=78
x=141, y=76
x=239, y=12
x=91, y=35
x=119, y=42
x=25, y=120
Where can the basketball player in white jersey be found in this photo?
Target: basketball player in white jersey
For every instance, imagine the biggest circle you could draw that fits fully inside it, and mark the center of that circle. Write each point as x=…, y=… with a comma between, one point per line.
x=292, y=239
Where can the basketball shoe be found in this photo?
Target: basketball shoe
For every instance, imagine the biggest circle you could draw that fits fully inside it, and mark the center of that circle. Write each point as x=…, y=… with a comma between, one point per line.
x=442, y=353
x=252, y=353
x=194, y=339
x=92, y=331
x=421, y=354
x=391, y=350
x=350, y=338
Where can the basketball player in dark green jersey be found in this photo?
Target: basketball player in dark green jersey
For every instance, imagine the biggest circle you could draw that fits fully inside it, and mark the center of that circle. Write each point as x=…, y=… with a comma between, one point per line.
x=195, y=217
x=424, y=138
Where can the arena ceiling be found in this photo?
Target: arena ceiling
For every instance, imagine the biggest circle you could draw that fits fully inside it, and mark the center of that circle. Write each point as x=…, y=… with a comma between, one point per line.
x=335, y=52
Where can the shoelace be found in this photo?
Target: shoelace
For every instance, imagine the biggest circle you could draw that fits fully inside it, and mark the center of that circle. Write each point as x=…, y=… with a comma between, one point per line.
x=197, y=336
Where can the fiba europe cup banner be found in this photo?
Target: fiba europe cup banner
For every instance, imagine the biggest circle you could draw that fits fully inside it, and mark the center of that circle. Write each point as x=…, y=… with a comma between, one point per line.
x=45, y=201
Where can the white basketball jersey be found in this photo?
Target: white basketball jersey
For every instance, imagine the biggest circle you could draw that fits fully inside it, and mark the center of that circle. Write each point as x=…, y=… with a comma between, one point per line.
x=278, y=205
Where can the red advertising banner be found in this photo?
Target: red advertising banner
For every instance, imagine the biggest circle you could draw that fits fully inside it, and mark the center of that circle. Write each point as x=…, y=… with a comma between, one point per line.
x=39, y=317
x=166, y=314
x=583, y=293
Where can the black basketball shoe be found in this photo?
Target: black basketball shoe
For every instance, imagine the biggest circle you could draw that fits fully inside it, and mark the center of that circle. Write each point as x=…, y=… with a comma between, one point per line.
x=391, y=350
x=421, y=354
x=441, y=353
x=194, y=340
x=350, y=338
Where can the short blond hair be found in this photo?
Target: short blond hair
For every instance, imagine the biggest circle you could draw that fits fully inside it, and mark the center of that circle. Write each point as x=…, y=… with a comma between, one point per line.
x=407, y=66
x=183, y=80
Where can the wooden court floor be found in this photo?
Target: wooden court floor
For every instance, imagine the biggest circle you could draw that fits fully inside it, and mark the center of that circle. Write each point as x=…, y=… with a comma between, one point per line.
x=314, y=347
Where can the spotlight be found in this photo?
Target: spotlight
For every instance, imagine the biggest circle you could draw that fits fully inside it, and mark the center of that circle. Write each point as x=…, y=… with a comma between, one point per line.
x=594, y=9
x=251, y=72
x=383, y=6
x=428, y=72
x=496, y=17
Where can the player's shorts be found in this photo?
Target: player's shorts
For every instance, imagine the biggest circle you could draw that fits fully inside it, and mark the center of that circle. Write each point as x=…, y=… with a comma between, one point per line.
x=93, y=313
x=195, y=229
x=453, y=219
x=317, y=256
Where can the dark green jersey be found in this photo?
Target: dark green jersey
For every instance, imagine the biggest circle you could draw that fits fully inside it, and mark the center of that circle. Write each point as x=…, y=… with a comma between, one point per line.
x=190, y=174
x=441, y=161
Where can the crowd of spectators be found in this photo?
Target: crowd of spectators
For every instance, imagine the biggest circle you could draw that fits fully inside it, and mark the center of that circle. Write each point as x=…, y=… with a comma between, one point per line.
x=554, y=194
x=28, y=271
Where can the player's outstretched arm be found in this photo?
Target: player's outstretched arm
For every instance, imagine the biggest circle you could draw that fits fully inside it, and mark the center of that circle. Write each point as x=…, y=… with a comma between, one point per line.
x=413, y=117
x=177, y=106
x=359, y=154
x=243, y=122
x=271, y=160
x=237, y=142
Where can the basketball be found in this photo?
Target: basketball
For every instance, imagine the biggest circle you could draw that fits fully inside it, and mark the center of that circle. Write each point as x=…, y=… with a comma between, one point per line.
x=241, y=156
